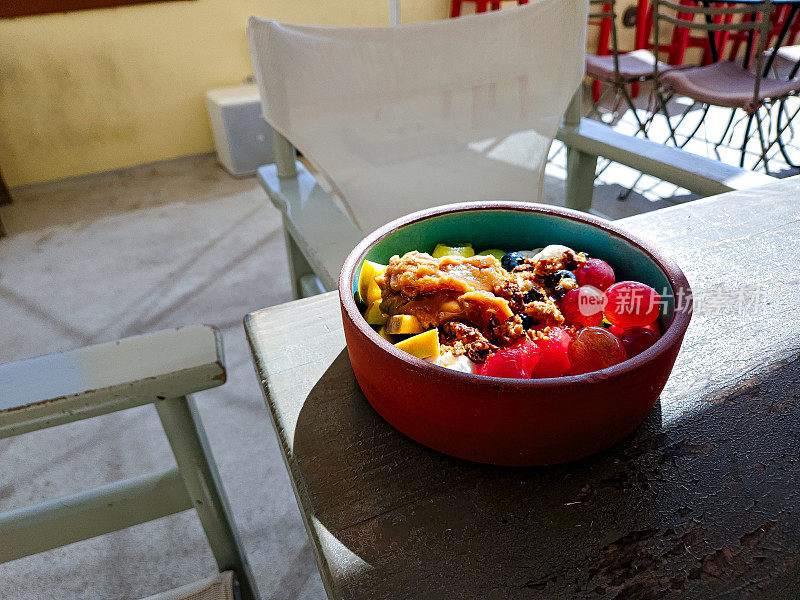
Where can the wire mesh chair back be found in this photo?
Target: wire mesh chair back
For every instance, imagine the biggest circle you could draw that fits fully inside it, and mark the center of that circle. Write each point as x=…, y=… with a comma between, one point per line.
x=716, y=18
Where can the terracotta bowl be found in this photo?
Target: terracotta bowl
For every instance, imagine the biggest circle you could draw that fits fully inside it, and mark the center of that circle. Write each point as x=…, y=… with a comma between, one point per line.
x=512, y=421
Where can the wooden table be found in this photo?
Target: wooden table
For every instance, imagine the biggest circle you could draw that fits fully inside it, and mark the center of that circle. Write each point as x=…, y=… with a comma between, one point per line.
x=702, y=501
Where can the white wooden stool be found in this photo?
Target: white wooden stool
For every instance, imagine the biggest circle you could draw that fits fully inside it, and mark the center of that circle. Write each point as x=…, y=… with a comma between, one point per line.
x=160, y=368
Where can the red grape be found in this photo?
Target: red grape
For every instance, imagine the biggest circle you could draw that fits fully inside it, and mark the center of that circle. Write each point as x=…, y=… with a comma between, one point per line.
x=618, y=331
x=595, y=272
x=638, y=339
x=583, y=306
x=517, y=361
x=594, y=348
x=632, y=304
x=554, y=360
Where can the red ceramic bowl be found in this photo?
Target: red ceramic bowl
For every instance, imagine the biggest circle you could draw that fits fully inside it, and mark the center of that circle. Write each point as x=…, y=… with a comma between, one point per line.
x=513, y=421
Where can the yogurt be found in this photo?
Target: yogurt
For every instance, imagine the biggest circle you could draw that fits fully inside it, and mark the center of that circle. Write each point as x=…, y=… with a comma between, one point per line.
x=456, y=363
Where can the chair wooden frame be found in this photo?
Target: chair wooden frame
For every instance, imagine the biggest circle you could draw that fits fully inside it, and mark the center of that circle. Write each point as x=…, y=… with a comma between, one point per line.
x=319, y=236
x=162, y=369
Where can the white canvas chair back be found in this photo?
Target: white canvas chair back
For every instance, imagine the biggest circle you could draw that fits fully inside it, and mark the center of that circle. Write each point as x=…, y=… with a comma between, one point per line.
x=404, y=118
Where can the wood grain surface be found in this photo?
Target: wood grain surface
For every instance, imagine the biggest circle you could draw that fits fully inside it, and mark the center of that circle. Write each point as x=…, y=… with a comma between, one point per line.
x=702, y=501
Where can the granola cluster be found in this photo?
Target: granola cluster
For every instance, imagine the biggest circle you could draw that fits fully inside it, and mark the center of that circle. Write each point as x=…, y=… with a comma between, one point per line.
x=520, y=314
x=478, y=305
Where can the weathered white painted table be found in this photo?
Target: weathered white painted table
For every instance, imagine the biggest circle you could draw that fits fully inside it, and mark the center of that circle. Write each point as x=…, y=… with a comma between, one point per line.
x=703, y=501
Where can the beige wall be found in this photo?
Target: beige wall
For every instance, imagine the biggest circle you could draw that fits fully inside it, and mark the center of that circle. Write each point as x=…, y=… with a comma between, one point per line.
x=90, y=91
x=95, y=90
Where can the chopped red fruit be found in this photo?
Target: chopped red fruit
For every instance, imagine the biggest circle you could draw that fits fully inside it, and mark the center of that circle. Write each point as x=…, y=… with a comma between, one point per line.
x=597, y=273
x=517, y=361
x=592, y=349
x=632, y=304
x=583, y=306
x=554, y=360
x=638, y=339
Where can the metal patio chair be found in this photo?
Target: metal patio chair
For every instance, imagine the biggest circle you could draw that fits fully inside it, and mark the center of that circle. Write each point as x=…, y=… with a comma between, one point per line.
x=619, y=74
x=619, y=71
x=739, y=87
x=161, y=369
x=786, y=66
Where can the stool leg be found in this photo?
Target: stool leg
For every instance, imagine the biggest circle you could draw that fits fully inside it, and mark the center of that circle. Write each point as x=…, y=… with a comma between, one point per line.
x=481, y=6
x=455, y=8
x=187, y=437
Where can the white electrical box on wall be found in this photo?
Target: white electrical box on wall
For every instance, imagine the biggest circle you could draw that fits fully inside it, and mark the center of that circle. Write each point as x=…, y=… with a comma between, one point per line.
x=242, y=137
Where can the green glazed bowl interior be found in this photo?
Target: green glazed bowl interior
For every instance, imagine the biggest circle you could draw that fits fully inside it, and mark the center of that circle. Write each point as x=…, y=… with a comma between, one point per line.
x=521, y=230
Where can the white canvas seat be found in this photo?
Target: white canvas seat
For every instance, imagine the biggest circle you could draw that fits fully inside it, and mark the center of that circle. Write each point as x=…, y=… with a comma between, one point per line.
x=404, y=118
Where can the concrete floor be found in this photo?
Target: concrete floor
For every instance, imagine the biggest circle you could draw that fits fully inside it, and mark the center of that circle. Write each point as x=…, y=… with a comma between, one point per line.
x=108, y=256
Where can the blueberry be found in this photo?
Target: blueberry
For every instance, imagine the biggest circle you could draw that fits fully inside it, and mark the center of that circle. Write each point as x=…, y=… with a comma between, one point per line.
x=534, y=295
x=527, y=322
x=511, y=260
x=554, y=279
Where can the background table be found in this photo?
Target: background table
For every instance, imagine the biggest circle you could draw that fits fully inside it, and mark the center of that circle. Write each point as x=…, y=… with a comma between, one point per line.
x=702, y=501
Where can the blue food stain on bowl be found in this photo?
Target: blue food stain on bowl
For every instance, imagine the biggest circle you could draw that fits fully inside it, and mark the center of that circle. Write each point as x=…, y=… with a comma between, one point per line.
x=524, y=230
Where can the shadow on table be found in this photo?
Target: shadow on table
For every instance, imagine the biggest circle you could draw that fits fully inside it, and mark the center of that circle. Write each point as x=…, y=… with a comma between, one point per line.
x=705, y=505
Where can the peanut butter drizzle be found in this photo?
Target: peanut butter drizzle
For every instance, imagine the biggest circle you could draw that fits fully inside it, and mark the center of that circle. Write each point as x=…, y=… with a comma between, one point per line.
x=446, y=289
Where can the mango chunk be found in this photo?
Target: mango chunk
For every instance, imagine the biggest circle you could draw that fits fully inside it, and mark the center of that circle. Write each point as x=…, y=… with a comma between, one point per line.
x=498, y=254
x=373, y=293
x=374, y=316
x=441, y=250
x=369, y=271
x=403, y=324
x=424, y=345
